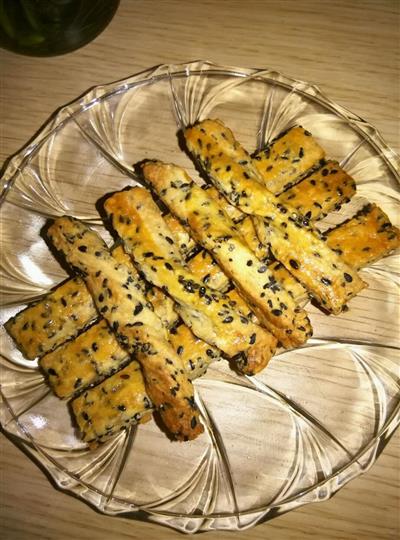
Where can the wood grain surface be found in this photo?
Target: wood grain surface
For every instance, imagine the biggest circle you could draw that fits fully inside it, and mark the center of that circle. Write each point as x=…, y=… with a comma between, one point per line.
x=350, y=50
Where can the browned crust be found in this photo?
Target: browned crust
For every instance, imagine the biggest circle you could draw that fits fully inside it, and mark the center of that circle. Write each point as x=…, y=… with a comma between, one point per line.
x=271, y=303
x=204, y=310
x=293, y=242
x=287, y=159
x=365, y=238
x=118, y=297
x=49, y=322
x=321, y=192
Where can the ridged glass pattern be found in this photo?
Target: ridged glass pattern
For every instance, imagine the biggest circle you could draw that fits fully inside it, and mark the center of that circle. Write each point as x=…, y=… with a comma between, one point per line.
x=316, y=418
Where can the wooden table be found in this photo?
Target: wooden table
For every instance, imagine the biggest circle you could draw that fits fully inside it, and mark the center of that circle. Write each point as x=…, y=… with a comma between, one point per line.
x=348, y=49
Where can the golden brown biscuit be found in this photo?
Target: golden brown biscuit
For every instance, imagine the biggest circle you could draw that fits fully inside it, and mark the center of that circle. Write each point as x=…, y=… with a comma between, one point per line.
x=113, y=405
x=287, y=159
x=293, y=242
x=49, y=322
x=365, y=238
x=96, y=354
x=84, y=361
x=321, y=192
x=118, y=298
x=207, y=312
x=273, y=306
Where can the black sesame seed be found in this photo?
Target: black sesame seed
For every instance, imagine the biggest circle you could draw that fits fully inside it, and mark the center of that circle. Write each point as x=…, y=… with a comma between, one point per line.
x=138, y=309
x=348, y=277
x=115, y=325
x=252, y=339
x=228, y=320
x=294, y=264
x=206, y=278
x=326, y=281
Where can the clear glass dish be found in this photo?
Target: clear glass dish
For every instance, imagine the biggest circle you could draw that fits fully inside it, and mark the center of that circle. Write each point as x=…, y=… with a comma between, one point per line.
x=316, y=418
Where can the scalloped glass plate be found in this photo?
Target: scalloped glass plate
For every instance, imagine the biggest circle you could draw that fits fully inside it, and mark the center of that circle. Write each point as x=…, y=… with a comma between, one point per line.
x=296, y=433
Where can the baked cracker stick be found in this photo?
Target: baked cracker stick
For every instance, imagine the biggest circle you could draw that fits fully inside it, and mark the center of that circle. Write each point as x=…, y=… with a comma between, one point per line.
x=138, y=222
x=273, y=306
x=84, y=361
x=96, y=354
x=113, y=405
x=321, y=192
x=118, y=298
x=287, y=159
x=122, y=399
x=293, y=242
x=361, y=240
x=59, y=316
x=56, y=318
x=365, y=238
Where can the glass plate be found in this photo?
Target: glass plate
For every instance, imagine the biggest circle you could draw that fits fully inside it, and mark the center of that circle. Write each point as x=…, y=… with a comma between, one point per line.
x=317, y=417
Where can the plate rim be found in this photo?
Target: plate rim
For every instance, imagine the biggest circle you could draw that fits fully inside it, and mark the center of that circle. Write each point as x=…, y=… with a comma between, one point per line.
x=15, y=164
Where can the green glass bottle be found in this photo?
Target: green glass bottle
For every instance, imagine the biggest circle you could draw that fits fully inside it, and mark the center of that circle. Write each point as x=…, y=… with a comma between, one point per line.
x=52, y=27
